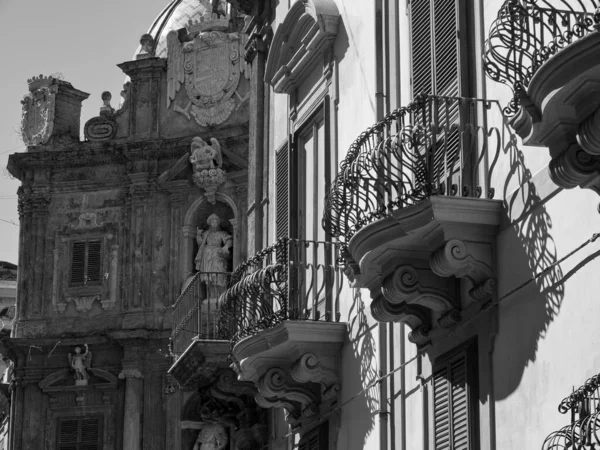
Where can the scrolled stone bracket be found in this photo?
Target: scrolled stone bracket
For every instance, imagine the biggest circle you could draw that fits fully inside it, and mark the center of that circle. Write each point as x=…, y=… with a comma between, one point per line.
x=575, y=167
x=466, y=260
x=410, y=285
x=276, y=388
x=309, y=369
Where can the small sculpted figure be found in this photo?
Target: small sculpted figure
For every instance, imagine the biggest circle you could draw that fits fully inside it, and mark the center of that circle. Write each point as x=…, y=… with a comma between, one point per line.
x=205, y=156
x=212, y=436
x=106, y=109
x=212, y=256
x=81, y=362
x=147, y=44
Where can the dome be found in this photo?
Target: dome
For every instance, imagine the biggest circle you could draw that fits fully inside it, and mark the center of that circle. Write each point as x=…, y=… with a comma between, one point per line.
x=176, y=15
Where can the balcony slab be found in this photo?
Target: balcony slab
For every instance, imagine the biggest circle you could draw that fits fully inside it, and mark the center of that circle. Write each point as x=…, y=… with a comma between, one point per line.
x=294, y=365
x=199, y=363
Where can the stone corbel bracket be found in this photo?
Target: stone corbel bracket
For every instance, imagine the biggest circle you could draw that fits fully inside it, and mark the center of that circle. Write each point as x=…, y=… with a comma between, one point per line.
x=276, y=387
x=418, y=318
x=466, y=260
x=410, y=285
x=293, y=365
x=309, y=369
x=576, y=167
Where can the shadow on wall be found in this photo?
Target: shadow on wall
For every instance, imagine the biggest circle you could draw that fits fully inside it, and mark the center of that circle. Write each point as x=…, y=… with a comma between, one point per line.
x=525, y=248
x=359, y=370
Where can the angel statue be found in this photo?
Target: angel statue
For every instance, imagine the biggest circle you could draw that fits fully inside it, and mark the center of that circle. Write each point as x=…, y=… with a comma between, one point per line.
x=212, y=436
x=205, y=156
x=79, y=363
x=212, y=256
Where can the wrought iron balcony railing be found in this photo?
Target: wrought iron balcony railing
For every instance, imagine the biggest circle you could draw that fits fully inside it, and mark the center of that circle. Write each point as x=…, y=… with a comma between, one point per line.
x=527, y=33
x=291, y=280
x=434, y=146
x=584, y=430
x=195, y=315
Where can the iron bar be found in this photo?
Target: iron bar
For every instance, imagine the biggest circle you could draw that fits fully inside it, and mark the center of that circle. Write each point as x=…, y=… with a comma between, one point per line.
x=293, y=279
x=526, y=33
x=434, y=146
x=195, y=315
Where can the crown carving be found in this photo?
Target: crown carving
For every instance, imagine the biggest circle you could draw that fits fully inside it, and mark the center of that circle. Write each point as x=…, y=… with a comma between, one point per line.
x=39, y=82
x=212, y=18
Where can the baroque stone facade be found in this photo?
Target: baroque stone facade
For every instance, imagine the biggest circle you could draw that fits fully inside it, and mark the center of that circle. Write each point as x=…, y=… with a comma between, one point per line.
x=108, y=240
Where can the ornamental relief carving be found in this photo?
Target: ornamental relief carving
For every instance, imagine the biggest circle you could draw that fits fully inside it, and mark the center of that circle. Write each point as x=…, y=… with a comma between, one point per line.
x=207, y=61
x=302, y=391
x=458, y=274
x=37, y=119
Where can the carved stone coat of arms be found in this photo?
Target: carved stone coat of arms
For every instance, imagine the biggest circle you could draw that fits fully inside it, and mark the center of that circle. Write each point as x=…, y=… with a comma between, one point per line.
x=38, y=110
x=209, y=66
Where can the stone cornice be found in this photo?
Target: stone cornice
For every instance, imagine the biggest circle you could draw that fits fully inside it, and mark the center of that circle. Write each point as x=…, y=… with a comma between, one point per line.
x=91, y=154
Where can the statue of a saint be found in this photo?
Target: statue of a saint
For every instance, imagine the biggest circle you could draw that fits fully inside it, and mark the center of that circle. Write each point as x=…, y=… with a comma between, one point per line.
x=212, y=257
x=212, y=436
x=80, y=363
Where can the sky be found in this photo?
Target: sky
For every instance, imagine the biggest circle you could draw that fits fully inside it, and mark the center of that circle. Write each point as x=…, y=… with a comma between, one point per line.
x=81, y=39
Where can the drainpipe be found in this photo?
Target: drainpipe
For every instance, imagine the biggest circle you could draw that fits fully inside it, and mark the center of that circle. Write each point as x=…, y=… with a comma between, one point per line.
x=383, y=412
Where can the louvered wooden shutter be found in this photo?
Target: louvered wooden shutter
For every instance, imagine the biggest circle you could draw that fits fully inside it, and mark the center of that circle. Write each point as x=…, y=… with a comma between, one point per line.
x=435, y=47
x=421, y=38
x=94, y=262
x=454, y=408
x=78, y=264
x=282, y=192
x=315, y=439
x=80, y=433
x=446, y=66
x=86, y=263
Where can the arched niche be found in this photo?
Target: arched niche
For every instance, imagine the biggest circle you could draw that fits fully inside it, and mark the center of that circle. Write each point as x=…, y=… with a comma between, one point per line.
x=203, y=409
x=308, y=30
x=196, y=215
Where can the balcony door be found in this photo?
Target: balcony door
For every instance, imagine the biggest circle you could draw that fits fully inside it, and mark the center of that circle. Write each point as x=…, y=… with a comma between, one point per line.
x=442, y=63
x=310, y=168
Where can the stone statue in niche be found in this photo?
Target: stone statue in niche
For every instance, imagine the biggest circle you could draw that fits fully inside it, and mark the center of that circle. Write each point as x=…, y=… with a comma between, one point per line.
x=80, y=363
x=207, y=162
x=212, y=436
x=213, y=255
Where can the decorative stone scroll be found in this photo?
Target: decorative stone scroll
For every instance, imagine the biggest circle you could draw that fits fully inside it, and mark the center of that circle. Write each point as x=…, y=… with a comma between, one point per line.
x=206, y=59
x=466, y=260
x=103, y=127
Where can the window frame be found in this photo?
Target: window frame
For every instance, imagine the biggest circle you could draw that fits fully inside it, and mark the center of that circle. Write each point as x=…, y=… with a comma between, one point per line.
x=85, y=282
x=80, y=419
x=468, y=350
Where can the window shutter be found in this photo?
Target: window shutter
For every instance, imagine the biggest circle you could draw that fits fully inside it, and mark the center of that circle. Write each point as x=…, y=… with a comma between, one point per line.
x=80, y=433
x=90, y=434
x=315, y=439
x=436, y=65
x=78, y=264
x=281, y=192
x=445, y=48
x=86, y=263
x=67, y=434
x=420, y=25
x=453, y=421
x=94, y=260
